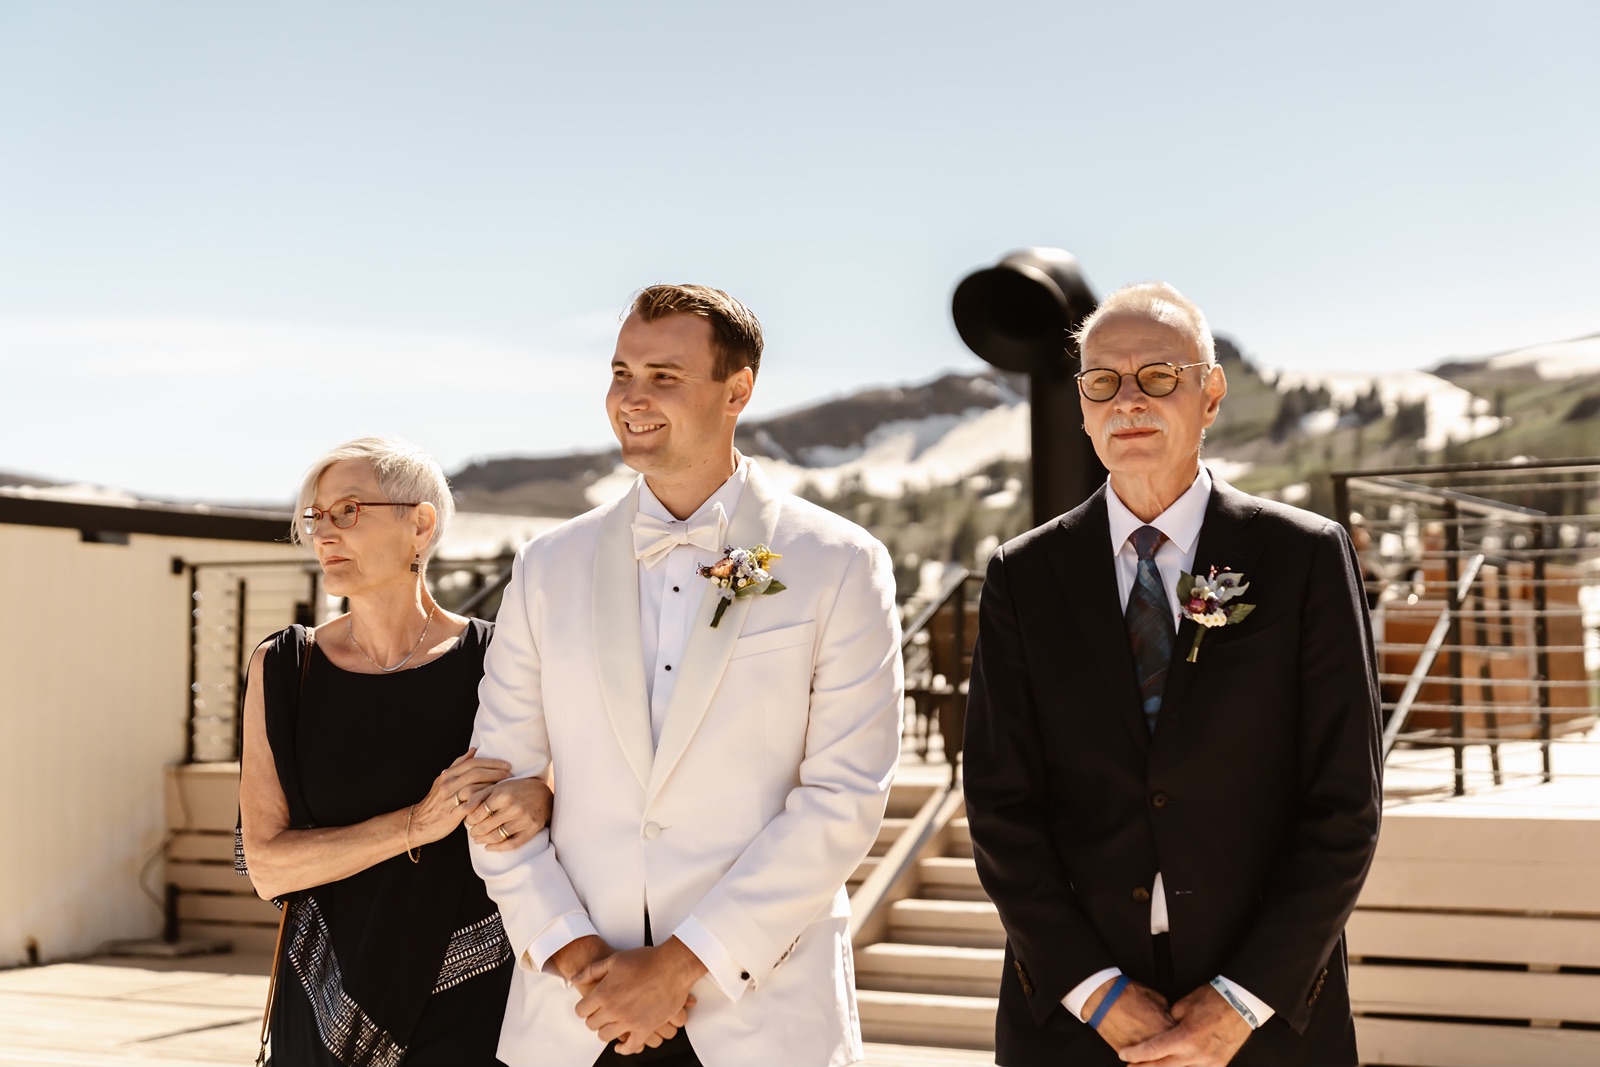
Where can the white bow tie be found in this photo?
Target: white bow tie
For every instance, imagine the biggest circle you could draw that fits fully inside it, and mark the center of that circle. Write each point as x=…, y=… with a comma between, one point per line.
x=653, y=538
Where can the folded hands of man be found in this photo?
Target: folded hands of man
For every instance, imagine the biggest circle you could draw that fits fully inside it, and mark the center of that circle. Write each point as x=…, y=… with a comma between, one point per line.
x=638, y=997
x=1201, y=1030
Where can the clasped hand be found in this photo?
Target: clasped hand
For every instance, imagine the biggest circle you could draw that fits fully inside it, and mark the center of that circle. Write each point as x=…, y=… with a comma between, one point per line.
x=638, y=997
x=1201, y=1030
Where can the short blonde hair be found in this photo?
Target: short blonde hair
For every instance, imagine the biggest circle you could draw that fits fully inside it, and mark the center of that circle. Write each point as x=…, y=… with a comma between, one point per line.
x=403, y=471
x=1157, y=301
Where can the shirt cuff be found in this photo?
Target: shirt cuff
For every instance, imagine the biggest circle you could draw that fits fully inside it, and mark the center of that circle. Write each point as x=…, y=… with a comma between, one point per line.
x=1251, y=1008
x=555, y=937
x=724, y=970
x=1079, y=994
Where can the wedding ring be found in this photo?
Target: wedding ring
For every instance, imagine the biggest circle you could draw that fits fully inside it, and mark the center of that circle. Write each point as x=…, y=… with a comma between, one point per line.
x=503, y=835
x=487, y=810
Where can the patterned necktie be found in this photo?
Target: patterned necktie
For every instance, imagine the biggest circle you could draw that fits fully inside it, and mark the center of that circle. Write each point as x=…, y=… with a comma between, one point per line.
x=1149, y=619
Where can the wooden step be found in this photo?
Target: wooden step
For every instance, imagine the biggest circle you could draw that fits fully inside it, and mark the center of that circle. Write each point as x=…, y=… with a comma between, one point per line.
x=967, y=923
x=960, y=838
x=1407, y=1041
x=888, y=834
x=944, y=969
x=202, y=846
x=863, y=869
x=226, y=908
x=950, y=878
x=907, y=797
x=927, y=1018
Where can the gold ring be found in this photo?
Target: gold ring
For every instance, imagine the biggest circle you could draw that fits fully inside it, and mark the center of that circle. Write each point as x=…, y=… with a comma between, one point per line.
x=503, y=835
x=457, y=799
x=487, y=810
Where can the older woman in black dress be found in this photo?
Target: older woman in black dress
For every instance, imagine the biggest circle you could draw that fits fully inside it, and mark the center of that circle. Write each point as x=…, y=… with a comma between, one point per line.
x=393, y=953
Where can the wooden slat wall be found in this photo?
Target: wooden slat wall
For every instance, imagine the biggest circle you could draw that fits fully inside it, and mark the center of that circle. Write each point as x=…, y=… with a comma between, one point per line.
x=213, y=901
x=1492, y=921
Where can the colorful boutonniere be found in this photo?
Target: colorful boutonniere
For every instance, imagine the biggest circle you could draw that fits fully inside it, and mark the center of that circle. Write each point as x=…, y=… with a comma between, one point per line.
x=741, y=573
x=1206, y=601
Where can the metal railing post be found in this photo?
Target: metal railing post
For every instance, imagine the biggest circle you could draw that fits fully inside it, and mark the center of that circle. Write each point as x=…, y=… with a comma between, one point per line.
x=194, y=659
x=1541, y=644
x=1452, y=575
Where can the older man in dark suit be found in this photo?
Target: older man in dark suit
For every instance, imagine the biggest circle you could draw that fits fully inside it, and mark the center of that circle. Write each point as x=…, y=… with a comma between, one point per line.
x=1172, y=775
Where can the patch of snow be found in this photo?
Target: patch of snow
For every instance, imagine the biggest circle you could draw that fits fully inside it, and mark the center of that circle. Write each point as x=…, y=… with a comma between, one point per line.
x=1319, y=422
x=1228, y=469
x=481, y=535
x=1560, y=360
x=1003, y=499
x=81, y=493
x=1453, y=413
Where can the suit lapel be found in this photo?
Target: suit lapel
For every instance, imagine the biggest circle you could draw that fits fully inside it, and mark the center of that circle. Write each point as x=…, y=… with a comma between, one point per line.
x=618, y=654
x=706, y=654
x=1226, y=542
x=1086, y=569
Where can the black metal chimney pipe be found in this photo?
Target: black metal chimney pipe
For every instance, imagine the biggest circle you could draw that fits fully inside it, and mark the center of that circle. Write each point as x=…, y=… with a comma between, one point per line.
x=1019, y=316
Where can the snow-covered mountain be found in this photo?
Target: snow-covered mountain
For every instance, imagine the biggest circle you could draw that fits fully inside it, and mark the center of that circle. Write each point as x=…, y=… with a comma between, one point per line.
x=888, y=442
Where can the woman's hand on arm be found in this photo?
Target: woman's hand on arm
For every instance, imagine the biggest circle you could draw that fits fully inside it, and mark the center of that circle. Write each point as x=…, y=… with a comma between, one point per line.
x=282, y=860
x=518, y=806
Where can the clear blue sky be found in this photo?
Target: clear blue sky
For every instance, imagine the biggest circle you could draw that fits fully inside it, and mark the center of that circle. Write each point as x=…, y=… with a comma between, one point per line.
x=232, y=235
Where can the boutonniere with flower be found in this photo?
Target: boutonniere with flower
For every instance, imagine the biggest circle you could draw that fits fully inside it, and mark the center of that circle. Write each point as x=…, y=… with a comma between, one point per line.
x=740, y=573
x=1207, y=601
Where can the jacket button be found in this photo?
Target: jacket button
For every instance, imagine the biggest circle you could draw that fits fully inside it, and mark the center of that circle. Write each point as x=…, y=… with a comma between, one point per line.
x=652, y=830
x=744, y=976
x=1159, y=800
x=1142, y=895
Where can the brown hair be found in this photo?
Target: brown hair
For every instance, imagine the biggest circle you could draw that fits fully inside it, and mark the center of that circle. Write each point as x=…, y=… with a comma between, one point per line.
x=735, y=331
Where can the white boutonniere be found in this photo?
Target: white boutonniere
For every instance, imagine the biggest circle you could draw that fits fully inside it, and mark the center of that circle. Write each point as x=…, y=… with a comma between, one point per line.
x=1207, y=602
x=742, y=572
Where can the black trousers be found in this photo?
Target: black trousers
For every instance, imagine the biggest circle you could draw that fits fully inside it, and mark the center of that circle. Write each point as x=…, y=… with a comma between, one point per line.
x=676, y=1052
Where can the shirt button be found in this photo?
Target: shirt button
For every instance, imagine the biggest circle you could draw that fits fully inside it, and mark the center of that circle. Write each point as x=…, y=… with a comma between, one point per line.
x=669, y=666
x=1142, y=895
x=744, y=976
x=652, y=830
x=674, y=589
x=1159, y=800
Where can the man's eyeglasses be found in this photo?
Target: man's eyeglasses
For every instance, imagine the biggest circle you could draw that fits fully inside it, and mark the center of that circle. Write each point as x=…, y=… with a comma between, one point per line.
x=1100, y=384
x=343, y=513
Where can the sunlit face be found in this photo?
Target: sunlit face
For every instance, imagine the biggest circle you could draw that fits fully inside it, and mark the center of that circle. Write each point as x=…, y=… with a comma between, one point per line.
x=669, y=412
x=382, y=544
x=1147, y=436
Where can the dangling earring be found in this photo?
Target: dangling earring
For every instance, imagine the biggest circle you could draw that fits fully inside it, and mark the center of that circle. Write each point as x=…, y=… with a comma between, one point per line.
x=416, y=564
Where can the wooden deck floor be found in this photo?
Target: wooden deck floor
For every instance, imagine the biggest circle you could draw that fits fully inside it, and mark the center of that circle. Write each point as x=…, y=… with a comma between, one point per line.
x=197, y=1012
x=205, y=1010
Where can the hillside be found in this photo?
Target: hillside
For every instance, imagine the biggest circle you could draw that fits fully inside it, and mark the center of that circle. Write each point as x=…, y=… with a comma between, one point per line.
x=939, y=470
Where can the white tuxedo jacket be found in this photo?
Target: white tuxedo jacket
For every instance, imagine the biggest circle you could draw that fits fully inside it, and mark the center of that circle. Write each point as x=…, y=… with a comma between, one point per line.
x=766, y=790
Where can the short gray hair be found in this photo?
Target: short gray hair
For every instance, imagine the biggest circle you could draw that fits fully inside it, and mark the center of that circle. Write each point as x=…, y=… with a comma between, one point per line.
x=1159, y=302
x=403, y=471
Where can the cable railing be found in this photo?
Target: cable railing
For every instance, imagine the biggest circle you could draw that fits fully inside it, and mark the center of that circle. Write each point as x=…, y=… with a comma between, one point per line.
x=936, y=647
x=1484, y=583
x=234, y=606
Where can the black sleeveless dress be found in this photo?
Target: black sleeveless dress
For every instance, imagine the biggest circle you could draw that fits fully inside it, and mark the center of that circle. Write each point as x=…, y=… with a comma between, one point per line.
x=402, y=963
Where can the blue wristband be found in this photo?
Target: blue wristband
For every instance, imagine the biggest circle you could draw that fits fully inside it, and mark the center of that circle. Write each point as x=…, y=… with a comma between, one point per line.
x=1111, y=998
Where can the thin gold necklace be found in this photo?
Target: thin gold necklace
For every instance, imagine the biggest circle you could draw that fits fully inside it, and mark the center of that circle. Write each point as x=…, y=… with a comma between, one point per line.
x=350, y=629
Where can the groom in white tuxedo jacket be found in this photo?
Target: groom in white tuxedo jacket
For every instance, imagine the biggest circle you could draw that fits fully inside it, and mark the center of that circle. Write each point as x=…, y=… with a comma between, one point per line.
x=717, y=777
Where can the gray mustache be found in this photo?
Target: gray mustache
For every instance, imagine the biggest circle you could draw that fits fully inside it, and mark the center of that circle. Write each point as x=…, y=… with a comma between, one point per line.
x=1118, y=422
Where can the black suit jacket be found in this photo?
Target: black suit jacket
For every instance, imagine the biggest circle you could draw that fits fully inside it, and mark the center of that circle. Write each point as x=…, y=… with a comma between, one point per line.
x=1257, y=798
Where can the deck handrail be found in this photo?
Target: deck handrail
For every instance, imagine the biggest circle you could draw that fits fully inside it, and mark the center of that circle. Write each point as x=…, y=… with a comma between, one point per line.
x=1430, y=652
x=891, y=879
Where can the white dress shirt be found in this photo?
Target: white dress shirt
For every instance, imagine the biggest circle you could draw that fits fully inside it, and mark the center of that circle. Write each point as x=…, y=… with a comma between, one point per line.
x=669, y=597
x=1180, y=524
